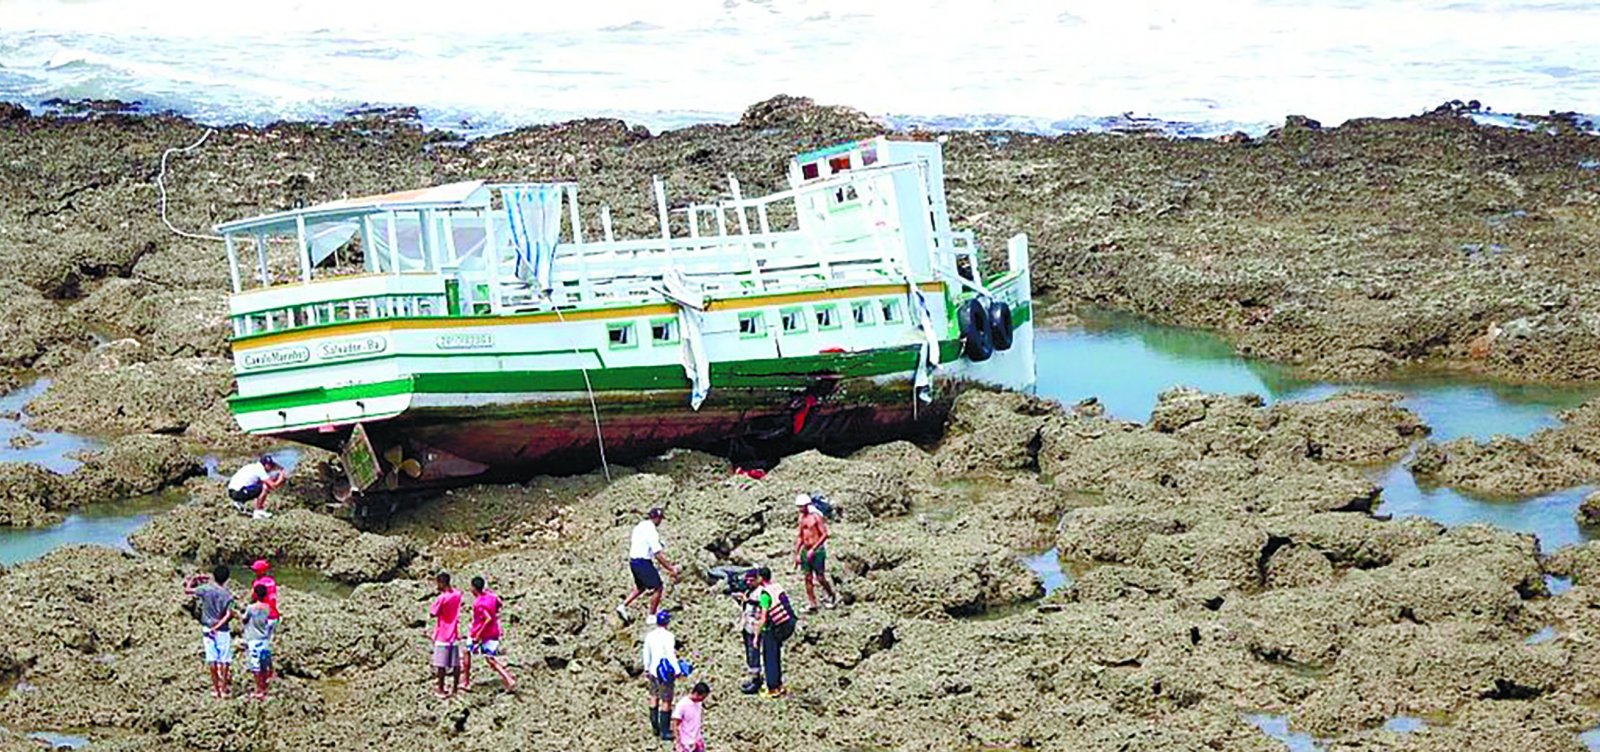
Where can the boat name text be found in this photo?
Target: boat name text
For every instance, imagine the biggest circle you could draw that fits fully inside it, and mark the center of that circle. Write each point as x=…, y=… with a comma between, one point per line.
x=351, y=348
x=464, y=341
x=283, y=356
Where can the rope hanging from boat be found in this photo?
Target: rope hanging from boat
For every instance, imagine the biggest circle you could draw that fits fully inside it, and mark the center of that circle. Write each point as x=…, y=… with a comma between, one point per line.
x=161, y=187
x=594, y=408
x=928, y=358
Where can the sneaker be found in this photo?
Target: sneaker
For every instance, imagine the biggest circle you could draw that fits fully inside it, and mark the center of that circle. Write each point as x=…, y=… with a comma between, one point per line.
x=261, y=514
x=831, y=603
x=751, y=686
x=622, y=613
x=776, y=693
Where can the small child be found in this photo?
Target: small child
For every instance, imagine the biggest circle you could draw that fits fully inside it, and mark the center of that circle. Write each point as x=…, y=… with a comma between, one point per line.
x=258, y=640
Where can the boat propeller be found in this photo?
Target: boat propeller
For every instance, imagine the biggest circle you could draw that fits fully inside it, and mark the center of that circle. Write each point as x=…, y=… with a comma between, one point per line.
x=399, y=463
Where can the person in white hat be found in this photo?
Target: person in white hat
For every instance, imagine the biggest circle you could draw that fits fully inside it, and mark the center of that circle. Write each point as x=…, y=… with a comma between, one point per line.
x=811, y=551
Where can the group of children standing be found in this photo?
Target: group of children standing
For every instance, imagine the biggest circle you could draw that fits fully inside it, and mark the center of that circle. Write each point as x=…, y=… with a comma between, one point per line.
x=217, y=613
x=483, y=636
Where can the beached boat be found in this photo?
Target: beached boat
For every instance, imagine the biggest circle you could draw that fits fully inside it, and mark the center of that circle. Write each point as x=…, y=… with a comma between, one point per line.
x=472, y=331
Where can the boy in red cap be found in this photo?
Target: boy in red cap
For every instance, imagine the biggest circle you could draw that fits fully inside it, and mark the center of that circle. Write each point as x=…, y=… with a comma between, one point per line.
x=262, y=578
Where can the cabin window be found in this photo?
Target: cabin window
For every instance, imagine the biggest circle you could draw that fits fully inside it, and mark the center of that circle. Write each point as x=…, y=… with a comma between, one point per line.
x=302, y=316
x=258, y=323
x=869, y=156
x=619, y=336
x=341, y=311
x=809, y=171
x=363, y=309
x=752, y=325
x=861, y=312
x=427, y=307
x=890, y=307
x=664, y=331
x=827, y=316
x=846, y=195
x=840, y=163
x=793, y=320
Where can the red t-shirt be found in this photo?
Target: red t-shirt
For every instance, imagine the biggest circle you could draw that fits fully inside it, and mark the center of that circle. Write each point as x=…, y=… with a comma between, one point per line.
x=445, y=610
x=486, y=617
x=272, y=594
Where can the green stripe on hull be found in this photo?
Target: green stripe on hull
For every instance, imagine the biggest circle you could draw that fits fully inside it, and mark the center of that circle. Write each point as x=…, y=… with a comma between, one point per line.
x=747, y=374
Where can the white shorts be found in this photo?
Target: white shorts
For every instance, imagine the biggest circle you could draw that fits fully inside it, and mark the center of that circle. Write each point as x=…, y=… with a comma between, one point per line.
x=218, y=647
x=487, y=647
x=258, y=656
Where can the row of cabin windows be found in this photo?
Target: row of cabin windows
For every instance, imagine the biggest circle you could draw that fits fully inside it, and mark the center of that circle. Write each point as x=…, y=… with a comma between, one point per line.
x=795, y=320
x=839, y=163
x=358, y=309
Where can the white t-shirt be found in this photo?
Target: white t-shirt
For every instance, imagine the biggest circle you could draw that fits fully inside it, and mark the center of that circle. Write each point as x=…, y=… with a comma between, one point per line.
x=249, y=475
x=659, y=643
x=645, y=542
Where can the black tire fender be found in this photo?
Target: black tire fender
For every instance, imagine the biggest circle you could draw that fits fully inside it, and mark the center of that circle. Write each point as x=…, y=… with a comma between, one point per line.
x=1000, y=324
x=977, y=343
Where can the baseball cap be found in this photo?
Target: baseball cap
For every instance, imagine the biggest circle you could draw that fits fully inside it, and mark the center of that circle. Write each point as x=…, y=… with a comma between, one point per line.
x=662, y=617
x=801, y=499
x=656, y=513
x=260, y=566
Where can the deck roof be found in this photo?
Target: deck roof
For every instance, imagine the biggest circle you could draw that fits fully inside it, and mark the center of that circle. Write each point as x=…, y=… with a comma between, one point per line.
x=469, y=193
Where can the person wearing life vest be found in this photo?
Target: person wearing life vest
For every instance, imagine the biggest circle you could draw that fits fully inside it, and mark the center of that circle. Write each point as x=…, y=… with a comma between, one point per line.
x=775, y=620
x=751, y=632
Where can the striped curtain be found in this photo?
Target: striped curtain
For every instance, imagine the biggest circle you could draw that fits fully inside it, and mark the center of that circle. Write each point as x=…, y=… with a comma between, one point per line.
x=534, y=213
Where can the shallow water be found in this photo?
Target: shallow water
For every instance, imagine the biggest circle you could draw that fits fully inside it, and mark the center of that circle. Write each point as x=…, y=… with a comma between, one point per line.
x=52, y=449
x=56, y=740
x=1047, y=567
x=1544, y=635
x=106, y=525
x=1126, y=362
x=1590, y=739
x=1277, y=727
x=1404, y=724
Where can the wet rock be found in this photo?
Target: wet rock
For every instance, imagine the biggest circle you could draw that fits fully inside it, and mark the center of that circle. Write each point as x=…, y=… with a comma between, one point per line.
x=154, y=397
x=991, y=431
x=29, y=495
x=32, y=327
x=1589, y=510
x=1291, y=566
x=1352, y=427
x=297, y=536
x=132, y=466
x=171, y=323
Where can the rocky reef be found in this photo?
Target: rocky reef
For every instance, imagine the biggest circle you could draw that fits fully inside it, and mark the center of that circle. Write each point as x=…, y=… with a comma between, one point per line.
x=1224, y=560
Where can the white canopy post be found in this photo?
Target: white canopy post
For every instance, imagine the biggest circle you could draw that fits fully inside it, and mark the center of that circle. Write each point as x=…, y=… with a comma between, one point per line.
x=491, y=255
x=605, y=223
x=394, y=244
x=233, y=262
x=369, y=254
x=261, y=259
x=300, y=248
x=744, y=228
x=661, y=213
x=572, y=214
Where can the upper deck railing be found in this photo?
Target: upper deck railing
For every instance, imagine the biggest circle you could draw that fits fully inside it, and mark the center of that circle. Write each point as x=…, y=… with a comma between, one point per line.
x=871, y=225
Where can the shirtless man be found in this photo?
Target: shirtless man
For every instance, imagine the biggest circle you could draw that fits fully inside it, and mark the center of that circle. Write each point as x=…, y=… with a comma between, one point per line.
x=811, y=553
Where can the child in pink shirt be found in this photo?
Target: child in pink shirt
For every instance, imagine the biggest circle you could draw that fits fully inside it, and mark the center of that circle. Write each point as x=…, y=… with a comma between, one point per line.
x=686, y=717
x=446, y=633
x=485, y=636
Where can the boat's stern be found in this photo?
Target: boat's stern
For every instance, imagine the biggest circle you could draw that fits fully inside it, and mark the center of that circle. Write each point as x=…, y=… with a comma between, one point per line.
x=1010, y=360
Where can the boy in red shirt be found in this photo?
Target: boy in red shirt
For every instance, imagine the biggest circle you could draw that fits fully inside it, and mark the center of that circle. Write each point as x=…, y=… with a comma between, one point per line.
x=485, y=636
x=262, y=578
x=445, y=610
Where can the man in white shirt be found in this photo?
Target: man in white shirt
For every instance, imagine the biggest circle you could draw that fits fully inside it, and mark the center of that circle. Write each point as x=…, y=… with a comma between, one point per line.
x=645, y=550
x=252, y=482
x=660, y=646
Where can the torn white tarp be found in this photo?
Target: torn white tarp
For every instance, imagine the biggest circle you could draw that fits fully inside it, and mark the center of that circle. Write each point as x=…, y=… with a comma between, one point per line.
x=928, y=360
x=534, y=213
x=691, y=302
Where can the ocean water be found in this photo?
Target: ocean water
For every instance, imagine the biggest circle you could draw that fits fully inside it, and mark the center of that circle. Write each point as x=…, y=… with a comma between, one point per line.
x=1196, y=68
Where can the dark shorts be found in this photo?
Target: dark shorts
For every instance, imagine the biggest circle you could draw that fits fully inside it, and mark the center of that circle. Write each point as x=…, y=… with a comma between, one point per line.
x=645, y=576
x=816, y=562
x=661, y=691
x=248, y=493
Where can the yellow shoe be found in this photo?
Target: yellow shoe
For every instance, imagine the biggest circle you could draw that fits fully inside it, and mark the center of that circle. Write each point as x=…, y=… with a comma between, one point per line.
x=779, y=692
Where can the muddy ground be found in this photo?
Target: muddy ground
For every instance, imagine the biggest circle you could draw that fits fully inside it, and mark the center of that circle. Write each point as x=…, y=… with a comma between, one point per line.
x=1224, y=561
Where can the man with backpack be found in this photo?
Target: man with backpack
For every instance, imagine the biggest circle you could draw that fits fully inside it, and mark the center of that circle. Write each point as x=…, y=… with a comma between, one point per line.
x=810, y=550
x=775, y=620
x=660, y=662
